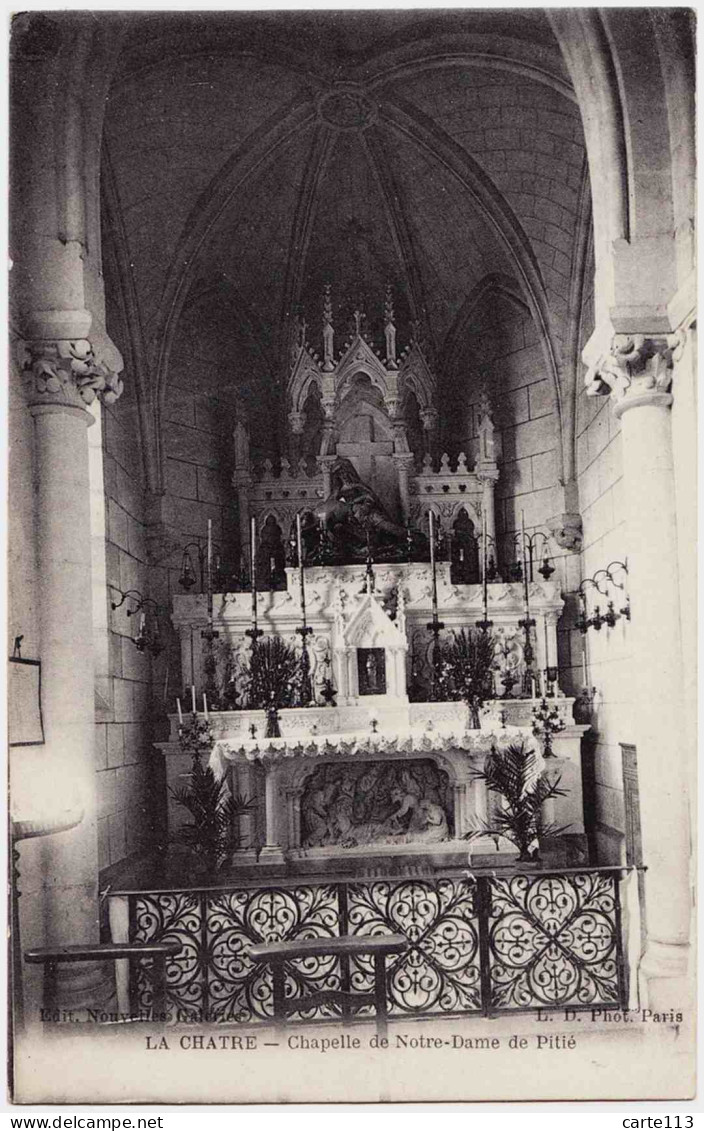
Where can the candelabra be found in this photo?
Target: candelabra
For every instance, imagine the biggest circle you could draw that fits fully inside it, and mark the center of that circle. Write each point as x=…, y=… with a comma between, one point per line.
x=147, y=638
x=195, y=736
x=607, y=577
x=546, y=723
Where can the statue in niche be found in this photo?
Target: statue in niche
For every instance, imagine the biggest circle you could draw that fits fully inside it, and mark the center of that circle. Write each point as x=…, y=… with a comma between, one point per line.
x=353, y=520
x=371, y=667
x=376, y=803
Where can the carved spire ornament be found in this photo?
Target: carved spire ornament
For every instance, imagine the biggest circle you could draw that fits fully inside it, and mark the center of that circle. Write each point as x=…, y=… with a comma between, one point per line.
x=390, y=330
x=328, y=332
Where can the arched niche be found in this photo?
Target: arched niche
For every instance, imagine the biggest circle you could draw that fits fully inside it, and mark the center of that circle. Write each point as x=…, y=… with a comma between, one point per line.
x=464, y=551
x=271, y=554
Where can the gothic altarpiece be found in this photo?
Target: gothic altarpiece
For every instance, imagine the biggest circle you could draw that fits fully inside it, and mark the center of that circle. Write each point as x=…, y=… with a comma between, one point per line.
x=379, y=768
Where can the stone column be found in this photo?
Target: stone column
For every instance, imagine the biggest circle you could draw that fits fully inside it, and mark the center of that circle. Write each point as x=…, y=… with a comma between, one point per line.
x=245, y=778
x=404, y=464
x=488, y=480
x=637, y=373
x=429, y=419
x=272, y=852
x=62, y=376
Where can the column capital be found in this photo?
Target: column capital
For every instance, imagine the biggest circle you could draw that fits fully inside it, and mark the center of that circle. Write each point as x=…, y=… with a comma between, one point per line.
x=66, y=373
x=429, y=418
x=635, y=371
x=567, y=530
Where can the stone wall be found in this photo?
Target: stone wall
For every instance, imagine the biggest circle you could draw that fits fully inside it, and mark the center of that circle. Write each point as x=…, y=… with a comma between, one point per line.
x=504, y=350
x=607, y=652
x=123, y=733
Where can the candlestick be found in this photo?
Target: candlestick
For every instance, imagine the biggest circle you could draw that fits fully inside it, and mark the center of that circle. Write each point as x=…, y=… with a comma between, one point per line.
x=205, y=706
x=193, y=698
x=253, y=553
x=525, y=570
x=431, y=519
x=180, y=712
x=301, y=579
x=484, y=577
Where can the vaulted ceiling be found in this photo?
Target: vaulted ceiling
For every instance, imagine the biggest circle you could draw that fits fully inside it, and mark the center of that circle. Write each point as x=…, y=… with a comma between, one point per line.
x=250, y=158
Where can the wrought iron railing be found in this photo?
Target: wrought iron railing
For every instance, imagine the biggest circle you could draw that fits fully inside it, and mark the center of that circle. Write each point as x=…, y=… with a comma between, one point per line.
x=478, y=944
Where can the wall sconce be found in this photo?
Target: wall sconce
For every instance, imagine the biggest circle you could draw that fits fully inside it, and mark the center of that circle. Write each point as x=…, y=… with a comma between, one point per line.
x=188, y=576
x=147, y=637
x=603, y=577
x=536, y=546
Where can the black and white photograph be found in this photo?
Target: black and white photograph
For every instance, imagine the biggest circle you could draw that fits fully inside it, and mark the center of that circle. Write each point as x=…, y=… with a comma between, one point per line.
x=352, y=571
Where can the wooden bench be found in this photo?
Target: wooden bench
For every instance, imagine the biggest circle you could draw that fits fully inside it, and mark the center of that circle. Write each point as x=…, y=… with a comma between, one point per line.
x=277, y=954
x=51, y=957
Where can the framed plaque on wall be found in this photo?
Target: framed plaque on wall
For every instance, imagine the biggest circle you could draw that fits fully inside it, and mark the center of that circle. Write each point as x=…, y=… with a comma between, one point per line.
x=25, y=724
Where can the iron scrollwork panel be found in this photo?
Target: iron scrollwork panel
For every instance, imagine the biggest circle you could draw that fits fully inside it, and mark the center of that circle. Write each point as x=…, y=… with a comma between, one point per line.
x=439, y=973
x=554, y=941
x=240, y=989
x=177, y=917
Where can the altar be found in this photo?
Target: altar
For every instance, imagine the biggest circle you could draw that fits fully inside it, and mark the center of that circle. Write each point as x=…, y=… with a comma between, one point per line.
x=364, y=555
x=377, y=772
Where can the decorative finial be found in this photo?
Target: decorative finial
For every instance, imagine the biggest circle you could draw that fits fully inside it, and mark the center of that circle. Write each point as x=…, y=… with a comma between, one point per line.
x=388, y=305
x=390, y=330
x=328, y=333
x=327, y=304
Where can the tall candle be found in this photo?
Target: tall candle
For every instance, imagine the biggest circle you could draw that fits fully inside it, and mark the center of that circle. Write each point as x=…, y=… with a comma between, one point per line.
x=180, y=712
x=193, y=698
x=302, y=583
x=484, y=580
x=205, y=707
x=584, y=663
x=547, y=656
x=431, y=519
x=253, y=554
x=525, y=569
x=209, y=573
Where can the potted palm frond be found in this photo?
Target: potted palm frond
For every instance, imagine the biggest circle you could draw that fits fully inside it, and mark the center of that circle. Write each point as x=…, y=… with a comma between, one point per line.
x=515, y=775
x=212, y=833
x=273, y=677
x=467, y=661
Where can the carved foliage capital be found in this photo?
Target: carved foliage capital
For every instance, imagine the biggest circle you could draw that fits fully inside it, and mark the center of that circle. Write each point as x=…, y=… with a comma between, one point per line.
x=567, y=531
x=635, y=367
x=67, y=373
